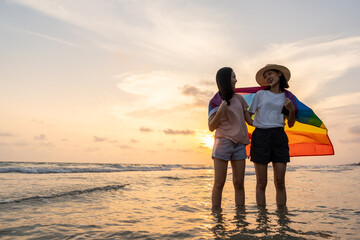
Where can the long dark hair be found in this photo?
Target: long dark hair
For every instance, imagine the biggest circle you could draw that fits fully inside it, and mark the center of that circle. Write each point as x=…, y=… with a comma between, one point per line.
x=283, y=82
x=223, y=81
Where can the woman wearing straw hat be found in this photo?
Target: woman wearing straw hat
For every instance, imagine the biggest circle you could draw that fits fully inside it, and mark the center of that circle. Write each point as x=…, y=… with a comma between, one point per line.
x=269, y=141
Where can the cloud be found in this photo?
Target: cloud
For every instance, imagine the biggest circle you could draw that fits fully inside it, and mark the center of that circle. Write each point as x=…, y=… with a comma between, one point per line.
x=355, y=130
x=6, y=134
x=208, y=83
x=99, y=139
x=201, y=96
x=15, y=144
x=41, y=137
x=103, y=139
x=156, y=93
x=178, y=132
x=47, y=144
x=350, y=140
x=113, y=143
x=61, y=41
x=189, y=90
x=42, y=141
x=313, y=63
x=91, y=149
x=145, y=129
x=341, y=114
x=153, y=86
x=134, y=140
x=20, y=144
x=340, y=101
x=150, y=29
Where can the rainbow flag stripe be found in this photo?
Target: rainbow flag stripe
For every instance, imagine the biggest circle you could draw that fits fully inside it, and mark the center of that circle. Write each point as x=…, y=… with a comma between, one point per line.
x=308, y=136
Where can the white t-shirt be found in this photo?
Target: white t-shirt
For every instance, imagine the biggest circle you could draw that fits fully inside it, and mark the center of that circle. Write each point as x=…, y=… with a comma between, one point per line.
x=268, y=106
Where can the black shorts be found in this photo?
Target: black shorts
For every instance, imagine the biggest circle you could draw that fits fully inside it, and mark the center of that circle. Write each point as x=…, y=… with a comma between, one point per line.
x=269, y=145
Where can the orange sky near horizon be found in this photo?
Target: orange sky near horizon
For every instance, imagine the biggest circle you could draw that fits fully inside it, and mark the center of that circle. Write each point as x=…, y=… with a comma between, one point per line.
x=130, y=81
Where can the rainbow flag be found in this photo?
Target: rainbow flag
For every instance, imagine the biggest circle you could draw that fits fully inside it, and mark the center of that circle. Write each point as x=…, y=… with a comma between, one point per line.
x=308, y=136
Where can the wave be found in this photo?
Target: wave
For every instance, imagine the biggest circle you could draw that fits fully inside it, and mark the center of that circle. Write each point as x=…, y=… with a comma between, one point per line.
x=63, y=194
x=171, y=178
x=353, y=164
x=70, y=168
x=37, y=168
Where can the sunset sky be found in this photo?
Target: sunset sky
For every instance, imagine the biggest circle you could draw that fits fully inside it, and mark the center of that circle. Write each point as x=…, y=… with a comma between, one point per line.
x=130, y=81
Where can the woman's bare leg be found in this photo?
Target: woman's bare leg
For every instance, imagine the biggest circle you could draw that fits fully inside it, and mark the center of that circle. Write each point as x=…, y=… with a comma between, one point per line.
x=238, y=170
x=261, y=182
x=279, y=180
x=220, y=167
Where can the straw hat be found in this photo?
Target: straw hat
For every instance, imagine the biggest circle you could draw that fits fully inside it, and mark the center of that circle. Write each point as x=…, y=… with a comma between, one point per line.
x=260, y=74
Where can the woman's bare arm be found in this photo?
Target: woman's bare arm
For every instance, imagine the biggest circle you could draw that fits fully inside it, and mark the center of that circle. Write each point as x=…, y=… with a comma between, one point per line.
x=214, y=119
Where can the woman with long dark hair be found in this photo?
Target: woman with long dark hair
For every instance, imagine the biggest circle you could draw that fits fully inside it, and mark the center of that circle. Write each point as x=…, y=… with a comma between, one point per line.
x=231, y=137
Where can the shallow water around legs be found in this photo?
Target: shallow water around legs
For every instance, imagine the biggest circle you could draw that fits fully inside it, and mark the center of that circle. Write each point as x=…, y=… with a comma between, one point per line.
x=173, y=202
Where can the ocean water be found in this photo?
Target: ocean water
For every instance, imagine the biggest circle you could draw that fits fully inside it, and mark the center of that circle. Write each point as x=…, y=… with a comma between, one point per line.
x=129, y=201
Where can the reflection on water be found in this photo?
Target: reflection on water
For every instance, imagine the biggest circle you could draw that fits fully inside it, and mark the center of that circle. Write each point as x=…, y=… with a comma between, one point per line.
x=240, y=218
x=283, y=221
x=262, y=221
x=220, y=228
x=259, y=223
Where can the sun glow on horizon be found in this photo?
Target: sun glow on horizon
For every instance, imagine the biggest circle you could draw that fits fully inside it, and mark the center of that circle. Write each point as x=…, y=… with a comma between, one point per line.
x=207, y=140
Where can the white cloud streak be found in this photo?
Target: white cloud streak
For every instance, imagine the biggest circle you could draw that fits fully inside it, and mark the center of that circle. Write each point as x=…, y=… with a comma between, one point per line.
x=152, y=29
x=61, y=41
x=313, y=62
x=155, y=91
x=340, y=101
